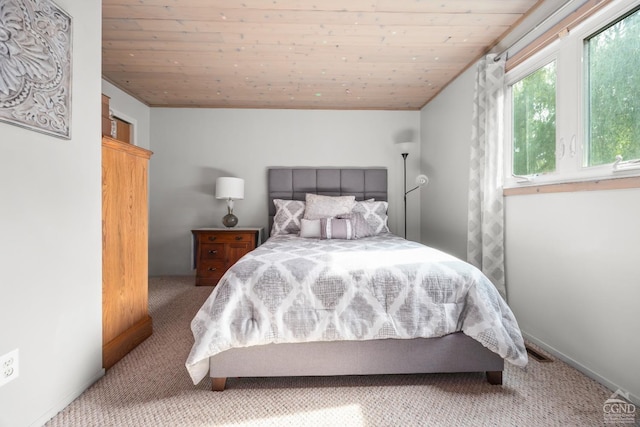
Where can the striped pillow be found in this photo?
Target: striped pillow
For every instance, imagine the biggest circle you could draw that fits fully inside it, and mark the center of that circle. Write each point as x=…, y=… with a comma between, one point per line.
x=336, y=228
x=361, y=227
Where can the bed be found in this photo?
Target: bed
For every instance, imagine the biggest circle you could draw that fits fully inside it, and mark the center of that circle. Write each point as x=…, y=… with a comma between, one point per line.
x=354, y=300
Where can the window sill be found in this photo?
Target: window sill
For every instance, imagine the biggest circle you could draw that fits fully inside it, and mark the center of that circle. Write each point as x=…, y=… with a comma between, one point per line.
x=569, y=187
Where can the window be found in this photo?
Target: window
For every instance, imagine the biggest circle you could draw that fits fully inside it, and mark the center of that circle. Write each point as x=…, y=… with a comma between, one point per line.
x=534, y=122
x=612, y=67
x=572, y=109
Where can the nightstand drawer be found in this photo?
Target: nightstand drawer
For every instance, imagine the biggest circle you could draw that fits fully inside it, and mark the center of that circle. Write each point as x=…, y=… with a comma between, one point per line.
x=227, y=237
x=209, y=251
x=210, y=268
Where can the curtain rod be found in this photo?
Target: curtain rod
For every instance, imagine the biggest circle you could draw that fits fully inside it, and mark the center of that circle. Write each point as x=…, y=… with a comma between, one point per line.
x=544, y=22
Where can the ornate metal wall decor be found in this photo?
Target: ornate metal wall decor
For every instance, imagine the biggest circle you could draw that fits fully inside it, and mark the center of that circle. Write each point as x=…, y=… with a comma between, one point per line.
x=35, y=66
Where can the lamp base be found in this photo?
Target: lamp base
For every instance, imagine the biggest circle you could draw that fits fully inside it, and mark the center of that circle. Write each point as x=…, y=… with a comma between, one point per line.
x=230, y=220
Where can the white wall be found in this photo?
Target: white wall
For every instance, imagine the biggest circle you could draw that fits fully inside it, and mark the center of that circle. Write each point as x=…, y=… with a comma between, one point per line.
x=131, y=110
x=192, y=147
x=571, y=258
x=573, y=280
x=445, y=128
x=50, y=250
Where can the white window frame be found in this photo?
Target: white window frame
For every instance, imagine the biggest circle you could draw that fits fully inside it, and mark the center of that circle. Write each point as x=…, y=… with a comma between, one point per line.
x=568, y=52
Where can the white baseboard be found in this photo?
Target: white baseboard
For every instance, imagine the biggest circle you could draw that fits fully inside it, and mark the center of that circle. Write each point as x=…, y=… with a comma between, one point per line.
x=65, y=401
x=580, y=367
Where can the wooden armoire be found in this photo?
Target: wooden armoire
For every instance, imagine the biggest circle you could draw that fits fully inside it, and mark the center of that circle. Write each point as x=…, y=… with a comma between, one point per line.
x=125, y=313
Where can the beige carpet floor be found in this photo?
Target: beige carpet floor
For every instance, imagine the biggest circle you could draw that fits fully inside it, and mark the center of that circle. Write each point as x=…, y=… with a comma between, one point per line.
x=151, y=387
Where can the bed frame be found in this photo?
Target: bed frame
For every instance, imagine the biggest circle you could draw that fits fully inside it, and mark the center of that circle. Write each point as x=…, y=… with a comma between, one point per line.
x=451, y=353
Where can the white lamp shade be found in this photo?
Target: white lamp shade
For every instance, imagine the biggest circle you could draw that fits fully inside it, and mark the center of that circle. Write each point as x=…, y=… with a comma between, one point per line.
x=422, y=180
x=230, y=188
x=405, y=147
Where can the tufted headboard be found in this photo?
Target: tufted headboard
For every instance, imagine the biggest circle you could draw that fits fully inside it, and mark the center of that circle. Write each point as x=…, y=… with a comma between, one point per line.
x=294, y=183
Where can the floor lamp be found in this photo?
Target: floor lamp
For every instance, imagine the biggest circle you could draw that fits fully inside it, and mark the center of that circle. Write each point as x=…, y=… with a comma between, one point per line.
x=420, y=180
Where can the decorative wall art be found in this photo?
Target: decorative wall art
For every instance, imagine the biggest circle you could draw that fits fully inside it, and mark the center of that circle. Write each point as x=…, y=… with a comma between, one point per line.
x=35, y=66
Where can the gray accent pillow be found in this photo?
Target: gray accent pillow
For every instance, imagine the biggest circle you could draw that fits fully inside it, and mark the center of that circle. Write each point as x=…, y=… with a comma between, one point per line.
x=319, y=206
x=361, y=227
x=336, y=228
x=375, y=213
x=287, y=217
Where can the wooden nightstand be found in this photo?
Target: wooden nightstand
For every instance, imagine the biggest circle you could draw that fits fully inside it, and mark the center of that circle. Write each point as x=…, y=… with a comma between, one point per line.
x=217, y=249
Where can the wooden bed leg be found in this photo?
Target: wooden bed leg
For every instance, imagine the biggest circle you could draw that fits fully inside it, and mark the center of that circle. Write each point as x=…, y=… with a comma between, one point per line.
x=494, y=377
x=217, y=384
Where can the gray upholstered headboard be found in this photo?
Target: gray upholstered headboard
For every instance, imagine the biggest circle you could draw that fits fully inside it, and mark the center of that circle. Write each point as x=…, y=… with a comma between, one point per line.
x=294, y=183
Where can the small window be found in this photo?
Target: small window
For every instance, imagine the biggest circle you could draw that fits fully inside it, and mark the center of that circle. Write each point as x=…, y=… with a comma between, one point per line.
x=613, y=81
x=534, y=122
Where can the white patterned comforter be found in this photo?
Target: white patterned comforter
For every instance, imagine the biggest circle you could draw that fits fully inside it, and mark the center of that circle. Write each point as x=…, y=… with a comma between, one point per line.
x=292, y=289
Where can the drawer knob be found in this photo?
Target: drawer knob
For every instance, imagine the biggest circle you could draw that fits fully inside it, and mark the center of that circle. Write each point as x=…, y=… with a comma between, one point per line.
x=212, y=238
x=212, y=251
x=212, y=269
x=238, y=237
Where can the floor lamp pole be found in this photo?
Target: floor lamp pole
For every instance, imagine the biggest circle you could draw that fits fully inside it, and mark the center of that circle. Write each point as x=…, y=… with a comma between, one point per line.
x=404, y=158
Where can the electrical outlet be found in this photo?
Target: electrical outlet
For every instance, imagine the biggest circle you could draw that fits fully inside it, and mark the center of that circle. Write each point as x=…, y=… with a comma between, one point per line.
x=9, y=367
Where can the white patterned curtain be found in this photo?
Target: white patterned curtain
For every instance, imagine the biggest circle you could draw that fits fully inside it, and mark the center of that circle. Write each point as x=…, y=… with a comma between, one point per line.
x=485, y=239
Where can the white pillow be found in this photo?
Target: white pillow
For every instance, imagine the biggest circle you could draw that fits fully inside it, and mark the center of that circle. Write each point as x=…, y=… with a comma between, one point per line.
x=318, y=206
x=310, y=228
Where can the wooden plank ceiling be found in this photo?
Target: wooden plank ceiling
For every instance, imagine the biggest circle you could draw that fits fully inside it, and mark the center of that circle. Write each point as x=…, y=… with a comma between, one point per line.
x=306, y=54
